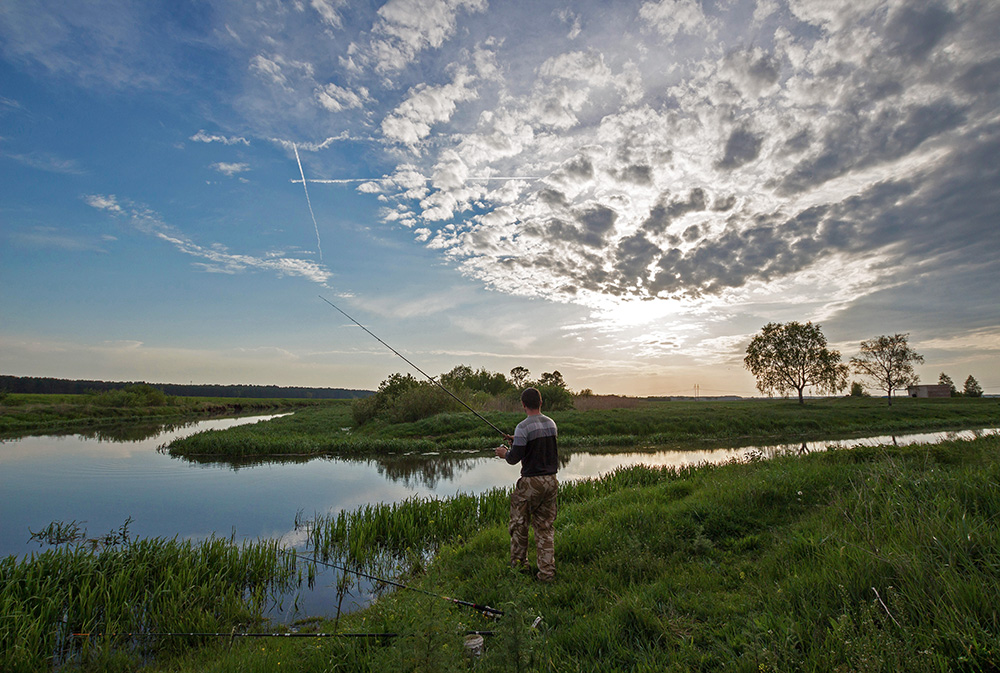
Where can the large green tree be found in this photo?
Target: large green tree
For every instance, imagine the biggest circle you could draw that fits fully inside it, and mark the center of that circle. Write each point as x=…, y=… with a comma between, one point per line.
x=792, y=356
x=888, y=362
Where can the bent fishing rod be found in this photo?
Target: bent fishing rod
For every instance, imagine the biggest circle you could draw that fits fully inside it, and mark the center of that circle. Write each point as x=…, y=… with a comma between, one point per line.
x=429, y=378
x=486, y=609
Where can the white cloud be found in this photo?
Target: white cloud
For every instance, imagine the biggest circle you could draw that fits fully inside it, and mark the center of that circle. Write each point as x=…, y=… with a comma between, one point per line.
x=407, y=27
x=337, y=99
x=230, y=169
x=215, y=258
x=670, y=17
x=202, y=137
x=425, y=106
x=328, y=11
x=104, y=202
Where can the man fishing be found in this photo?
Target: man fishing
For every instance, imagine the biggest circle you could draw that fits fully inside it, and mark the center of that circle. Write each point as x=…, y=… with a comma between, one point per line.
x=533, y=501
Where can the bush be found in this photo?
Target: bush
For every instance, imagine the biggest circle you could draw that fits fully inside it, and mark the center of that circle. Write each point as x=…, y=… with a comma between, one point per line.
x=421, y=402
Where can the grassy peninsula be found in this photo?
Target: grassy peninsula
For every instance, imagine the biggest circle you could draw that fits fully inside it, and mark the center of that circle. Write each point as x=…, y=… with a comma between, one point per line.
x=329, y=429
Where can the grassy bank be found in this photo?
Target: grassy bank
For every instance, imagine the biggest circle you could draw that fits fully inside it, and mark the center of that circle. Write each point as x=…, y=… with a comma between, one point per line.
x=27, y=414
x=330, y=430
x=871, y=559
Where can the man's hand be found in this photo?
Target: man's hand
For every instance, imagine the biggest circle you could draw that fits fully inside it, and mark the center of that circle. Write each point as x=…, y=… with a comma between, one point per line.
x=501, y=451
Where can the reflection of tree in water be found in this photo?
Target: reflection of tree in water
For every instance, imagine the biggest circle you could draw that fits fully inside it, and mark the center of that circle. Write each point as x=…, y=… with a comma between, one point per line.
x=414, y=470
x=236, y=463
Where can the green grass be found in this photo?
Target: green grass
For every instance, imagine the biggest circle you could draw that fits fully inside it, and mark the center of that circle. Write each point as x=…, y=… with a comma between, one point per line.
x=115, y=411
x=329, y=430
x=130, y=587
x=867, y=559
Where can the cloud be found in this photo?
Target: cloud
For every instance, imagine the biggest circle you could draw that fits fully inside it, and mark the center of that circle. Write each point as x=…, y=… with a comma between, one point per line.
x=425, y=106
x=47, y=162
x=212, y=259
x=405, y=28
x=670, y=17
x=231, y=169
x=54, y=238
x=202, y=137
x=337, y=99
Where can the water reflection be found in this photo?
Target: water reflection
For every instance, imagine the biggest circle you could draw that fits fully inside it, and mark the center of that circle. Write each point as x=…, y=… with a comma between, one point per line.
x=430, y=471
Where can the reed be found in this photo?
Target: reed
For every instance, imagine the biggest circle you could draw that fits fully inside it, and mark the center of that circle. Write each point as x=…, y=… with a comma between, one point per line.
x=93, y=607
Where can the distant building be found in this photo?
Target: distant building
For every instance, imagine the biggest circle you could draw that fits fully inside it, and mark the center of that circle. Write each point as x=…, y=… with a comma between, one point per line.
x=933, y=390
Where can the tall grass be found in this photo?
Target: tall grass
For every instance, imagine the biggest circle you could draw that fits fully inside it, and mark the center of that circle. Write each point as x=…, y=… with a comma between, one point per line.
x=117, y=594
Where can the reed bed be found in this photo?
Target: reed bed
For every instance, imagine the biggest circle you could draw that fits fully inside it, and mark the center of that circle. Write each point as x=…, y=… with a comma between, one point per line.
x=92, y=608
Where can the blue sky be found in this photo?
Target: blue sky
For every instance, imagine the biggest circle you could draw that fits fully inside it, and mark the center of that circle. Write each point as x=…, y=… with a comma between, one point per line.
x=621, y=192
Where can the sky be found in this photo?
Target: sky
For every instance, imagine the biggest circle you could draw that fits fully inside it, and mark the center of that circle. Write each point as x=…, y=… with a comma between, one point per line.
x=622, y=192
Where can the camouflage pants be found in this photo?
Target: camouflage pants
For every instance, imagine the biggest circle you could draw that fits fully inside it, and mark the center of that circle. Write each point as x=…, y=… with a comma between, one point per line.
x=534, y=502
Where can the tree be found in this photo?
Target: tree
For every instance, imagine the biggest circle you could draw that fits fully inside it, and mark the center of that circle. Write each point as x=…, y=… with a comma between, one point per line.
x=793, y=356
x=945, y=380
x=519, y=376
x=858, y=390
x=552, y=379
x=972, y=387
x=888, y=362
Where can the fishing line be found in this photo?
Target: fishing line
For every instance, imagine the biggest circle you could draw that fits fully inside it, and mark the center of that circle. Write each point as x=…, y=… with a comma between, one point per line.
x=494, y=612
x=429, y=378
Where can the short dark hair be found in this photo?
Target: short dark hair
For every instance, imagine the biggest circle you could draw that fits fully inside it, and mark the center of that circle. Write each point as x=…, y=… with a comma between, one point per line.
x=531, y=398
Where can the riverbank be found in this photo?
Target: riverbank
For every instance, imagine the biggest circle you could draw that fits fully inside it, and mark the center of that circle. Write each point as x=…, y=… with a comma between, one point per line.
x=881, y=558
x=37, y=414
x=329, y=430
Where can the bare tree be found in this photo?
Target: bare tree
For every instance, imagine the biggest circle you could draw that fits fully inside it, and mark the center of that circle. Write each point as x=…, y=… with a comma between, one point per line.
x=793, y=356
x=888, y=362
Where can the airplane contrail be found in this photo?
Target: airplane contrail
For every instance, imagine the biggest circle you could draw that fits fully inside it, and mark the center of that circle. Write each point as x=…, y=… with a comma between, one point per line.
x=319, y=243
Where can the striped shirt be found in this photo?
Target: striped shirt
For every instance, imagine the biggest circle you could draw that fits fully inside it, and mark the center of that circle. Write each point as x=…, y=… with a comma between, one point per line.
x=534, y=446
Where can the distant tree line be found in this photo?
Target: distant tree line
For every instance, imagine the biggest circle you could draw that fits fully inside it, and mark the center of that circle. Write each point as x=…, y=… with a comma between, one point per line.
x=53, y=386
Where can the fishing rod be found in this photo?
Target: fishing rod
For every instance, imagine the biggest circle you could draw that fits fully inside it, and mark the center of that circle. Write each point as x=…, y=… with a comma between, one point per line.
x=430, y=378
x=486, y=609
x=237, y=634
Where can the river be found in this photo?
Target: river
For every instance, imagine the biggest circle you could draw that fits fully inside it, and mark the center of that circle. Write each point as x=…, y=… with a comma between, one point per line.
x=100, y=481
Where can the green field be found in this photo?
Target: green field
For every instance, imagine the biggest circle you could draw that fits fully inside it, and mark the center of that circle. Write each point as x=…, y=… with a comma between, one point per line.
x=36, y=414
x=329, y=429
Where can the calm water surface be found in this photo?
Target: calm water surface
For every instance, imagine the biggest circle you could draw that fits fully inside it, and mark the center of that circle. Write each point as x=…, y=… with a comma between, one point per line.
x=100, y=482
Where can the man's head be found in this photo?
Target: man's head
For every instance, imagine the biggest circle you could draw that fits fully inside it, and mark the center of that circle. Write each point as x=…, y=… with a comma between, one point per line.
x=531, y=399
